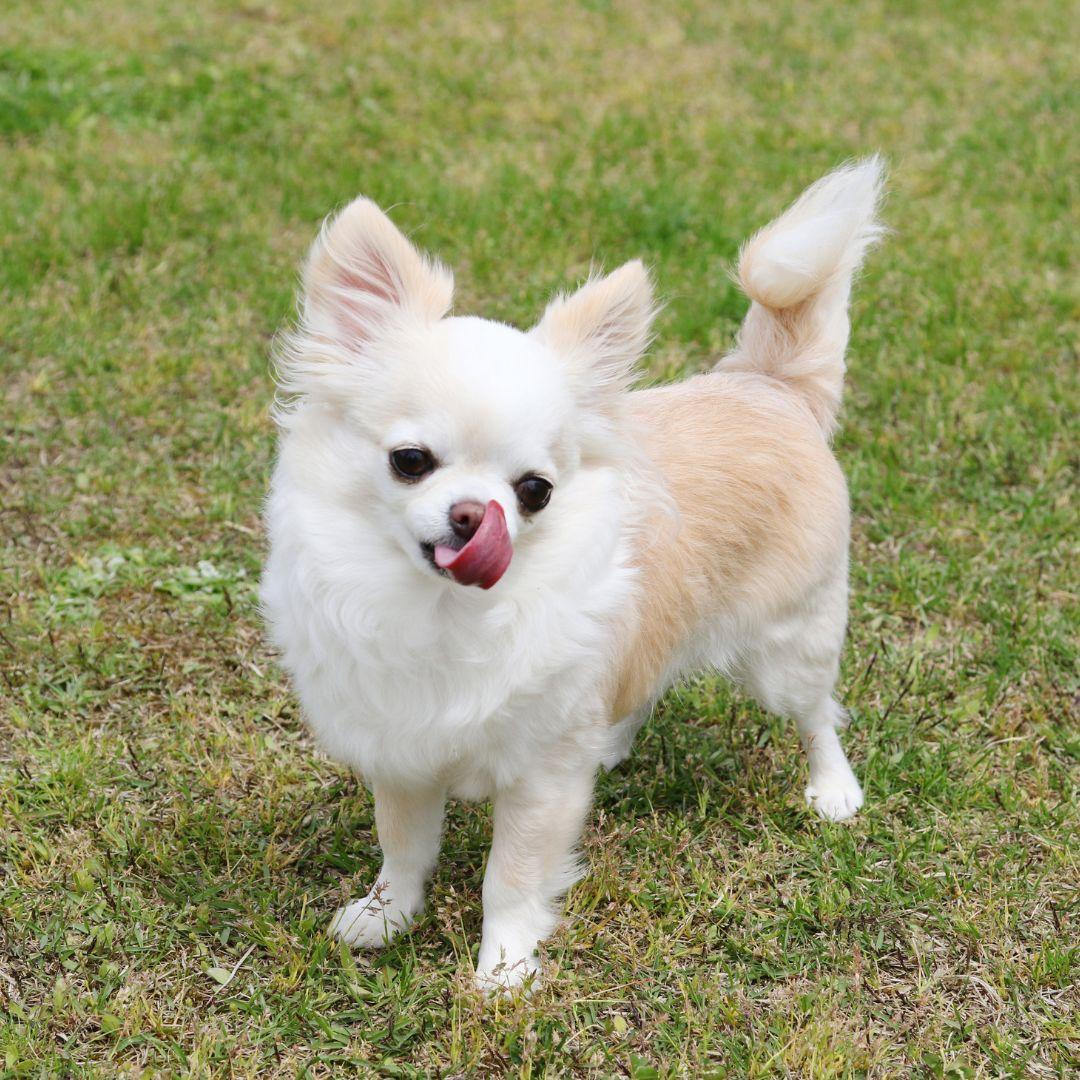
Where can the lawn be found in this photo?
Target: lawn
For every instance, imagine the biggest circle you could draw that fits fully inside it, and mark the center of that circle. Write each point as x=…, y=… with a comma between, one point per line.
x=171, y=845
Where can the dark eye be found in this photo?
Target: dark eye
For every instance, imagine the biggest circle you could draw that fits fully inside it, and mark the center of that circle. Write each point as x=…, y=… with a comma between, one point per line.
x=412, y=462
x=533, y=493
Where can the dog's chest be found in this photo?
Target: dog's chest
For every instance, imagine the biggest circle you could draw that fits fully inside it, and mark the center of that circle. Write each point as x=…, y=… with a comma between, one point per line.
x=472, y=694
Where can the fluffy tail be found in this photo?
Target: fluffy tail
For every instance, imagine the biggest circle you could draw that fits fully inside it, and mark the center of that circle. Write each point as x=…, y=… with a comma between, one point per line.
x=797, y=272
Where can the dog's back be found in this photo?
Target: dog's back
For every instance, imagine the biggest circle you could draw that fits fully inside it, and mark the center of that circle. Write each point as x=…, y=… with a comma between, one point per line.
x=759, y=518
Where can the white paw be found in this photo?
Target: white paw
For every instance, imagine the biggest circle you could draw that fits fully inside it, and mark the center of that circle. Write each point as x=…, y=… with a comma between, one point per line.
x=371, y=922
x=507, y=975
x=835, y=794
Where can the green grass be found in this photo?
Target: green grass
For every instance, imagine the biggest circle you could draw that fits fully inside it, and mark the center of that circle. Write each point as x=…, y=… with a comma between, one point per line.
x=170, y=843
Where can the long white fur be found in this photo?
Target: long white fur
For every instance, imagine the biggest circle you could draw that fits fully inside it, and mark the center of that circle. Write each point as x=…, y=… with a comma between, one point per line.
x=429, y=689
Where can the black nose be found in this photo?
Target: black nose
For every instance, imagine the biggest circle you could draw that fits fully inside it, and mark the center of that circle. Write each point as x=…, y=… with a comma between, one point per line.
x=465, y=518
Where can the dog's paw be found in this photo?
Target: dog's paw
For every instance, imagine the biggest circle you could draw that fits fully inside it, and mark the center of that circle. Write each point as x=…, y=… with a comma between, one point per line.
x=372, y=922
x=508, y=959
x=507, y=976
x=835, y=794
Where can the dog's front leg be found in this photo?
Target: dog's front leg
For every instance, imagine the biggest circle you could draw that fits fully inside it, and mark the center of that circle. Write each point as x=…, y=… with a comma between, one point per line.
x=409, y=822
x=532, y=863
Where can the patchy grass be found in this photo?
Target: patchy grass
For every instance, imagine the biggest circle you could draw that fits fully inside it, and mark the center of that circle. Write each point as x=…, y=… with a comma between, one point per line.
x=170, y=844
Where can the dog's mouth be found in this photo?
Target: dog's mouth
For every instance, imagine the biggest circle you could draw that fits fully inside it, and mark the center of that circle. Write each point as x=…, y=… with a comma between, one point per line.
x=427, y=548
x=483, y=559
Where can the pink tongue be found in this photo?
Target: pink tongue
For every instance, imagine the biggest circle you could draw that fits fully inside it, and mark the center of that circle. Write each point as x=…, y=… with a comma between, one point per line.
x=484, y=559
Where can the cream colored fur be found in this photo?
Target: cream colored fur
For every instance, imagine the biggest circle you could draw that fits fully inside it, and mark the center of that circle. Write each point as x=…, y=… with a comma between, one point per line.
x=696, y=526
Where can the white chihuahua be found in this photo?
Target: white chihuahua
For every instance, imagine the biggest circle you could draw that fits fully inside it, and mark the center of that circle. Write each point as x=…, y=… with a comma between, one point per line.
x=489, y=556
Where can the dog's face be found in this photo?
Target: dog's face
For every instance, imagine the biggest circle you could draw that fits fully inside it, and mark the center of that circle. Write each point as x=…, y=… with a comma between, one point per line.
x=467, y=442
x=469, y=436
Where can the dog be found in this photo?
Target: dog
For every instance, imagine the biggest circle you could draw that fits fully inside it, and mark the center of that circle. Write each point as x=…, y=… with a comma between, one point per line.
x=489, y=555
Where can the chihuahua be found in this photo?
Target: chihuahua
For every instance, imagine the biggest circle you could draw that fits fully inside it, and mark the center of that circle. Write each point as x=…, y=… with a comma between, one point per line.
x=490, y=556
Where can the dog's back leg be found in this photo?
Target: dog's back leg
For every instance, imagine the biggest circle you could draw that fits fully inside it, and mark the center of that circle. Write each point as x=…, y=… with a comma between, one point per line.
x=792, y=671
x=622, y=737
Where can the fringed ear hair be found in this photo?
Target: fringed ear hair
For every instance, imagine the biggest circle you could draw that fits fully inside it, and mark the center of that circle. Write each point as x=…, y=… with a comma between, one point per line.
x=602, y=330
x=362, y=274
x=362, y=281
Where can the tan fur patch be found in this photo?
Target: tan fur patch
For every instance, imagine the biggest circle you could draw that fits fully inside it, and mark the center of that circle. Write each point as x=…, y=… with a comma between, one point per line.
x=762, y=516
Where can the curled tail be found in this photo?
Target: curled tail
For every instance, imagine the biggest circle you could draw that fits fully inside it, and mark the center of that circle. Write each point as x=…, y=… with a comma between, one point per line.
x=797, y=272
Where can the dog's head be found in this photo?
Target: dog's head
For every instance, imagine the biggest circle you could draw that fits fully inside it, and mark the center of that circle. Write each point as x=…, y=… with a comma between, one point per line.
x=465, y=441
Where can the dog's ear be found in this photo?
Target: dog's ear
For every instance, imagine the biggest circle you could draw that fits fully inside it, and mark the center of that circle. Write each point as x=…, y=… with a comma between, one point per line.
x=603, y=329
x=363, y=275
